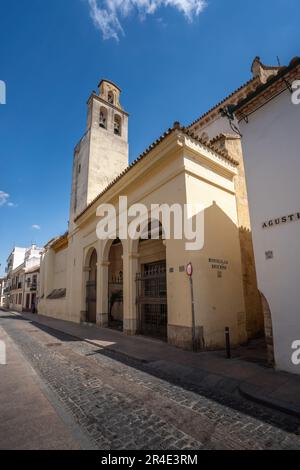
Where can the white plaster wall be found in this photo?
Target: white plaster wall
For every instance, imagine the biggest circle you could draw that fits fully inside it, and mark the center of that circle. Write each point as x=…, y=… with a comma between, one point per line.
x=214, y=128
x=31, y=262
x=53, y=276
x=272, y=163
x=60, y=272
x=19, y=254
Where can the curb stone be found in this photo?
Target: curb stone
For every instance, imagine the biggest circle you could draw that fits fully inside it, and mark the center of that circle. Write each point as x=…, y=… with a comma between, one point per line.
x=252, y=393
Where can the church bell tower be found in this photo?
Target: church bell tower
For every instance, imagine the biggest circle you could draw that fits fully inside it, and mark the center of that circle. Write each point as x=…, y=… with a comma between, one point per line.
x=102, y=153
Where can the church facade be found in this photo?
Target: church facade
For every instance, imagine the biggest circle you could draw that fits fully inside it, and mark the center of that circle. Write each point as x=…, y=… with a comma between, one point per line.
x=140, y=286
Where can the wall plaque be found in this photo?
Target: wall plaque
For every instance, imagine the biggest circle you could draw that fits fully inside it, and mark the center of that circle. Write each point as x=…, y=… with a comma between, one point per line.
x=219, y=264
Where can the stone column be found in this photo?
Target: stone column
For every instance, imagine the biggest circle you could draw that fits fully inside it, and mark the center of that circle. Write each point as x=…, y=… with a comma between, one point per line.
x=102, y=293
x=130, y=268
x=83, y=309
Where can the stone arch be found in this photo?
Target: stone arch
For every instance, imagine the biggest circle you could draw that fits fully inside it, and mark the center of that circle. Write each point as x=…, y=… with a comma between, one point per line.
x=106, y=249
x=112, y=285
x=117, y=125
x=268, y=329
x=111, y=97
x=154, y=230
x=88, y=256
x=90, y=285
x=150, y=279
x=103, y=117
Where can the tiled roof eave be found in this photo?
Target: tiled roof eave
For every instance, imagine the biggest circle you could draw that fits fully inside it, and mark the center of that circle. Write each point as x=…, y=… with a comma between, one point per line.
x=215, y=108
x=266, y=88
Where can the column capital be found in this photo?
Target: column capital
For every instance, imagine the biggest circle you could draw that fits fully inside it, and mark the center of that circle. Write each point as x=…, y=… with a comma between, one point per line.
x=104, y=263
x=131, y=255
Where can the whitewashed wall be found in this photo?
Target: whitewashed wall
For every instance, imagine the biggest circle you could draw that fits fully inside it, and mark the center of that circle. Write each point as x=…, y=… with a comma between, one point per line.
x=272, y=161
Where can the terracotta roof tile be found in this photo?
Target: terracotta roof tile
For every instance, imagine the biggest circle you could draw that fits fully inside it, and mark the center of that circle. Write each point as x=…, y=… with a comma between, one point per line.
x=175, y=127
x=260, y=88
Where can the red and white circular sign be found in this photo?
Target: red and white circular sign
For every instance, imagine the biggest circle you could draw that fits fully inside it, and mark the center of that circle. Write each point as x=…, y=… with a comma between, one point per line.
x=189, y=269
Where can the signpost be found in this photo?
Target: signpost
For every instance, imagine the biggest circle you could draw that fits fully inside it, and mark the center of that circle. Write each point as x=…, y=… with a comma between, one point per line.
x=189, y=272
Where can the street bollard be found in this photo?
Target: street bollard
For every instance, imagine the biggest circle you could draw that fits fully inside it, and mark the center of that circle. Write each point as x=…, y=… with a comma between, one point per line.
x=227, y=338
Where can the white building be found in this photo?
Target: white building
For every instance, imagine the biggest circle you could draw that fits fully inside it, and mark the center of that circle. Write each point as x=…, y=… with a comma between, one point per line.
x=270, y=125
x=23, y=266
x=31, y=287
x=15, y=258
x=3, y=286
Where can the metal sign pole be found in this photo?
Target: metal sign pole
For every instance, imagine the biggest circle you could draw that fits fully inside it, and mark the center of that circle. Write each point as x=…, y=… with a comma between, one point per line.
x=189, y=271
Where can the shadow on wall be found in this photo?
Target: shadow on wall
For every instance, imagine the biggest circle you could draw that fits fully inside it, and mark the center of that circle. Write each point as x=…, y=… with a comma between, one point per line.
x=228, y=243
x=222, y=286
x=253, y=303
x=268, y=329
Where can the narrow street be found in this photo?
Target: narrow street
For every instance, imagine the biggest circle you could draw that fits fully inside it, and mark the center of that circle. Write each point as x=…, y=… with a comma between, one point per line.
x=103, y=400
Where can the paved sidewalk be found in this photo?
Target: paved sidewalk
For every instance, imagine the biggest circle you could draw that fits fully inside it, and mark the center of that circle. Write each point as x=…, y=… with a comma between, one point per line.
x=28, y=419
x=278, y=390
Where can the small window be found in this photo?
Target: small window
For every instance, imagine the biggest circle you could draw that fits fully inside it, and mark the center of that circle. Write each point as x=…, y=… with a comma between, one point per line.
x=103, y=118
x=110, y=97
x=79, y=168
x=117, y=125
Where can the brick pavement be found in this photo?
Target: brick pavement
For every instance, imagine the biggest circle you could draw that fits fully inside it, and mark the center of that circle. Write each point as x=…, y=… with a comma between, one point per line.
x=119, y=403
x=28, y=419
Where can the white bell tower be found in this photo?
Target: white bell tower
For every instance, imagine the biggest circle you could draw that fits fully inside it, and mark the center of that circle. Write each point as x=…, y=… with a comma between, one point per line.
x=102, y=153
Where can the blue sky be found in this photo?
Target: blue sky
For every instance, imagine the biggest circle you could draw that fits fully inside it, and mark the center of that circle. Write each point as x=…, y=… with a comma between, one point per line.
x=172, y=63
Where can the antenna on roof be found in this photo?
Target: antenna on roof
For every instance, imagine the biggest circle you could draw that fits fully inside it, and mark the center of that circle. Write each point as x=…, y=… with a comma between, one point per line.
x=278, y=61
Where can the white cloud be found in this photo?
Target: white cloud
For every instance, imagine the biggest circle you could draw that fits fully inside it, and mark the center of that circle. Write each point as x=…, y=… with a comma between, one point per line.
x=106, y=13
x=3, y=198
x=36, y=227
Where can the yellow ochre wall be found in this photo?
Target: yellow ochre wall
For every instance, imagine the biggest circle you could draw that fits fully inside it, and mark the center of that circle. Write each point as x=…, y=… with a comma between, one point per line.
x=179, y=170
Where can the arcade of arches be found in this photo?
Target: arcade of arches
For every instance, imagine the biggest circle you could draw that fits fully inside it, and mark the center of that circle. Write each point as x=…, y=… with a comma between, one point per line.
x=148, y=288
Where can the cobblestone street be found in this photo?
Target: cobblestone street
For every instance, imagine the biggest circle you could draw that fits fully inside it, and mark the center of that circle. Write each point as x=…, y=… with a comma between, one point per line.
x=119, y=404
